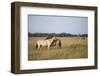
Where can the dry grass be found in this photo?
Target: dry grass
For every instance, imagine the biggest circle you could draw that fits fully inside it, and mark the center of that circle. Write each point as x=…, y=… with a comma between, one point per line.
x=72, y=48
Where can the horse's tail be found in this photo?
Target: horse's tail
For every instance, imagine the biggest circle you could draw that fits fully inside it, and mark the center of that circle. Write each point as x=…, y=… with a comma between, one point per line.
x=60, y=44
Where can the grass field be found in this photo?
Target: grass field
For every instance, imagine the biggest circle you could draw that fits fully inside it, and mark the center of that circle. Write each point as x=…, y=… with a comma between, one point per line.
x=72, y=48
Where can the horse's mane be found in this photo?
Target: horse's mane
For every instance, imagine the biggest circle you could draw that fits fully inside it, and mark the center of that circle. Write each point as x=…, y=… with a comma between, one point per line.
x=48, y=37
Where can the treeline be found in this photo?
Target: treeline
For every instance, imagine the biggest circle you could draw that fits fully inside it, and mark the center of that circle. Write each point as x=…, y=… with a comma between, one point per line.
x=56, y=35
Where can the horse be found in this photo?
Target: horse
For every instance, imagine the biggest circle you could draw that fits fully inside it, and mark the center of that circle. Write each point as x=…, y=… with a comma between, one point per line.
x=45, y=42
x=57, y=42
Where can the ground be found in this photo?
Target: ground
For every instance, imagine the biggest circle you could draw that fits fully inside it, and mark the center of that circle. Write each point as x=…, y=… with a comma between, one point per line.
x=72, y=48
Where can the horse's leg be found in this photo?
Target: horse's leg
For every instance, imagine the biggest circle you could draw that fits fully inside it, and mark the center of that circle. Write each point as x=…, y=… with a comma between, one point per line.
x=60, y=44
x=38, y=46
x=48, y=46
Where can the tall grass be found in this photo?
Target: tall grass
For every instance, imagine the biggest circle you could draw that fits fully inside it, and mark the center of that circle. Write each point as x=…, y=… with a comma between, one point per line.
x=72, y=48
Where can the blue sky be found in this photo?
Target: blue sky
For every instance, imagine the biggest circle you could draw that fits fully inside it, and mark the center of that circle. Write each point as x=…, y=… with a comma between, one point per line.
x=57, y=24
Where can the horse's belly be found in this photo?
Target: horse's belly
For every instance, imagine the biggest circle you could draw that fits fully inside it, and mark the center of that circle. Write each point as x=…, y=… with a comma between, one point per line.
x=43, y=43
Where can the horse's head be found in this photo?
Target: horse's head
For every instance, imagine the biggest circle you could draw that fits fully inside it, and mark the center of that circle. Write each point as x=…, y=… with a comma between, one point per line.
x=48, y=37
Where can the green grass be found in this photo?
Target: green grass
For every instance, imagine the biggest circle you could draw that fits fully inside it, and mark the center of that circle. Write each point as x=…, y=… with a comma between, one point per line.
x=72, y=48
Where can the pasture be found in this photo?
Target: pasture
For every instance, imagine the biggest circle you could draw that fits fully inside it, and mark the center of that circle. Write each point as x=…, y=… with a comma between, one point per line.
x=72, y=48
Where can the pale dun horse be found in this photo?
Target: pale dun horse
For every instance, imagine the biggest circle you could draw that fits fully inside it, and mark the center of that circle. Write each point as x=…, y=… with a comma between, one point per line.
x=44, y=43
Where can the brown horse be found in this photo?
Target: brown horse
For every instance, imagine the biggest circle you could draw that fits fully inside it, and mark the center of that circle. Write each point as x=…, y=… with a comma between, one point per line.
x=56, y=42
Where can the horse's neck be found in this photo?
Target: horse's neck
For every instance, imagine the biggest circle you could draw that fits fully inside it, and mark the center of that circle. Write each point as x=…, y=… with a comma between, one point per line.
x=51, y=40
